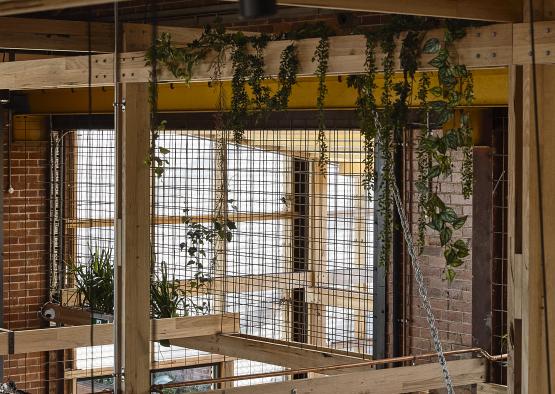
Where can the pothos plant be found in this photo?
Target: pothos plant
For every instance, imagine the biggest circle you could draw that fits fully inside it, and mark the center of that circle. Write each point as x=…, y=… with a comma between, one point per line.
x=247, y=65
x=438, y=141
x=440, y=105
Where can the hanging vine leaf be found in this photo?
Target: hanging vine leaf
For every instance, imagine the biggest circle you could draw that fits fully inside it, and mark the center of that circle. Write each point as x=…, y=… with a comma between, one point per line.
x=432, y=46
x=321, y=56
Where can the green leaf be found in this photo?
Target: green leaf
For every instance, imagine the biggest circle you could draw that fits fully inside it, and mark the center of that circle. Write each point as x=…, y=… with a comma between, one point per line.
x=456, y=263
x=460, y=244
x=231, y=225
x=435, y=223
x=450, y=255
x=450, y=274
x=437, y=91
x=433, y=45
x=436, y=62
x=445, y=235
x=163, y=150
x=434, y=172
x=449, y=215
x=437, y=202
x=457, y=224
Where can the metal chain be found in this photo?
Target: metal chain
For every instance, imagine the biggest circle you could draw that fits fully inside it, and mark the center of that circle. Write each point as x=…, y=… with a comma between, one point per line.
x=422, y=290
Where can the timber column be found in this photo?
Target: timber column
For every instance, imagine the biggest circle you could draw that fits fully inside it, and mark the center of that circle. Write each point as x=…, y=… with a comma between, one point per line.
x=528, y=367
x=133, y=229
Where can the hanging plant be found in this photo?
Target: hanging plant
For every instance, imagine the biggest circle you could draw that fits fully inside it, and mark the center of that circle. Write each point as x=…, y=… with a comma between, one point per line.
x=248, y=70
x=423, y=158
x=434, y=152
x=321, y=56
x=366, y=109
x=454, y=89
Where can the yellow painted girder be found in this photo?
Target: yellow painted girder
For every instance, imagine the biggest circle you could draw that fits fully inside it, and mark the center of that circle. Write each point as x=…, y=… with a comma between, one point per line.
x=490, y=87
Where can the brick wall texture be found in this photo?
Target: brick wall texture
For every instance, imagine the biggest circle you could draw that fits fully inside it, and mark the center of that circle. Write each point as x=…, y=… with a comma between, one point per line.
x=26, y=255
x=451, y=302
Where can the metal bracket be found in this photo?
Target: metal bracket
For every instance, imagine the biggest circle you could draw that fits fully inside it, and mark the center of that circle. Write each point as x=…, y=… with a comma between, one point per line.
x=122, y=104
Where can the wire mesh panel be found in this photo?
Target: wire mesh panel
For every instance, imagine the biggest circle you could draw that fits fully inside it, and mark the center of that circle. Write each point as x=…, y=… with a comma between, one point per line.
x=262, y=229
x=268, y=228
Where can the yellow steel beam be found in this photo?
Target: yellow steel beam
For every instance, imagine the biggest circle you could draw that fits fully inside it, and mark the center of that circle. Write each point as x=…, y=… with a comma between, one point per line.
x=490, y=87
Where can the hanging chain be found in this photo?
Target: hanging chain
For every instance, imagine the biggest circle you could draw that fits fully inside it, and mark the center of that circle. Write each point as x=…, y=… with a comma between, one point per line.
x=422, y=290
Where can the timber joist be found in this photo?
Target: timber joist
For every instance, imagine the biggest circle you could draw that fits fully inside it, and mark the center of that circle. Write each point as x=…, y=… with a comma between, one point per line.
x=47, y=339
x=483, y=47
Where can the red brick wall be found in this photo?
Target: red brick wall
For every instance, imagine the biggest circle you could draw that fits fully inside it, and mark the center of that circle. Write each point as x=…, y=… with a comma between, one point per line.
x=26, y=255
x=451, y=302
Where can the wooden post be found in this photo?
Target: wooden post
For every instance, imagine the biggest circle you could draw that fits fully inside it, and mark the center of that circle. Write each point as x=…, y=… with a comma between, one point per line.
x=526, y=276
x=318, y=223
x=135, y=239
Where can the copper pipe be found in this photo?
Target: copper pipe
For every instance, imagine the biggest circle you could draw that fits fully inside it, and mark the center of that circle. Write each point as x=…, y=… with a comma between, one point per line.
x=483, y=353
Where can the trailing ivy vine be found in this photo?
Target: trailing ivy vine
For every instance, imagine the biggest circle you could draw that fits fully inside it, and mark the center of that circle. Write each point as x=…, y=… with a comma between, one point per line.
x=248, y=71
x=444, y=125
x=321, y=56
x=436, y=147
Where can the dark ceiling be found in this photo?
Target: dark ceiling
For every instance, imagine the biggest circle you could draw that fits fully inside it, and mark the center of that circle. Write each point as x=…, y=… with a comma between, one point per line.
x=198, y=13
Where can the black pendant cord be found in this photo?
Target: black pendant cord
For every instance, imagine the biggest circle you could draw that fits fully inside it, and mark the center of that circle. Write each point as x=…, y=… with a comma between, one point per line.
x=540, y=193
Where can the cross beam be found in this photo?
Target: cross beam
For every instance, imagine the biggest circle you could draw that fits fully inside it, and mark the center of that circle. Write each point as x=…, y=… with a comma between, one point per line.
x=484, y=47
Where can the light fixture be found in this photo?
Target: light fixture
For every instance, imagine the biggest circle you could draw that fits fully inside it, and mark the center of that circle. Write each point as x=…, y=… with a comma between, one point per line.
x=257, y=8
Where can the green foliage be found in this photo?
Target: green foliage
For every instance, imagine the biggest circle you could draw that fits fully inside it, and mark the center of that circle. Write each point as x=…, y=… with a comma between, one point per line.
x=248, y=70
x=156, y=158
x=440, y=106
x=434, y=150
x=454, y=90
x=321, y=56
x=94, y=281
x=167, y=298
x=367, y=110
x=199, y=238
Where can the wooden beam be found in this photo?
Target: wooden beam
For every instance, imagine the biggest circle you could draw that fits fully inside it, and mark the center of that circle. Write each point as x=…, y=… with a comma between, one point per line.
x=488, y=46
x=383, y=381
x=491, y=388
x=492, y=10
x=48, y=339
x=528, y=307
x=289, y=356
x=157, y=365
x=236, y=217
x=490, y=89
x=55, y=35
x=135, y=237
x=62, y=35
x=15, y=7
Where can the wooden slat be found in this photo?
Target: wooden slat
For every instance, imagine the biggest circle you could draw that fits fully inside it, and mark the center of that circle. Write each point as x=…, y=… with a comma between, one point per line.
x=492, y=10
x=357, y=300
x=134, y=239
x=55, y=35
x=157, y=365
x=491, y=388
x=489, y=46
x=289, y=356
x=47, y=339
x=236, y=217
x=63, y=35
x=544, y=41
x=383, y=381
x=15, y=7
x=343, y=298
